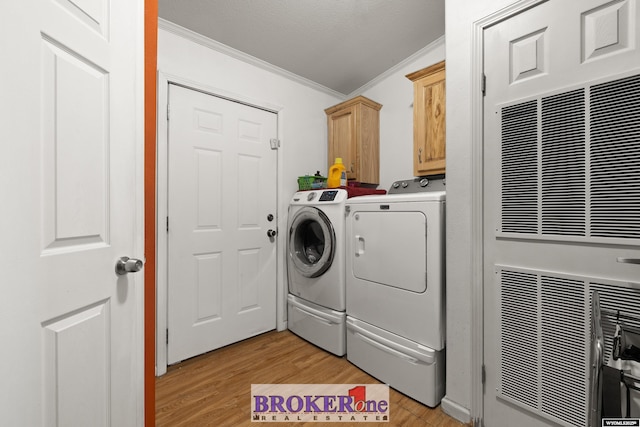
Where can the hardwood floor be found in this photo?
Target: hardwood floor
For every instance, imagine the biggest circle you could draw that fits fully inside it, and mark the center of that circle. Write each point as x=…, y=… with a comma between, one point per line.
x=215, y=389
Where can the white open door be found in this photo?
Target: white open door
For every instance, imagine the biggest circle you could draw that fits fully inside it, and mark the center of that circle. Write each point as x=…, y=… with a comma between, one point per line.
x=71, y=206
x=561, y=201
x=222, y=216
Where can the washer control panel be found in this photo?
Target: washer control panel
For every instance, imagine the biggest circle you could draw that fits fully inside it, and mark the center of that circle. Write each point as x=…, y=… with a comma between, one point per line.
x=328, y=196
x=320, y=197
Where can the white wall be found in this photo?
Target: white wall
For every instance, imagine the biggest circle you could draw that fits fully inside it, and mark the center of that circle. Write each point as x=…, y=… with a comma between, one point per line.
x=303, y=121
x=395, y=92
x=460, y=16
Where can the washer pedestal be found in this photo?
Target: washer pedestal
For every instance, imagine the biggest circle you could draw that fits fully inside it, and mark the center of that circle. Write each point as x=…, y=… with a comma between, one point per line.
x=319, y=325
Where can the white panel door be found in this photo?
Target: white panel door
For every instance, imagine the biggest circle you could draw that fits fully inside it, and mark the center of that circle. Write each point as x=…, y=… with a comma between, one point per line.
x=562, y=200
x=69, y=201
x=222, y=203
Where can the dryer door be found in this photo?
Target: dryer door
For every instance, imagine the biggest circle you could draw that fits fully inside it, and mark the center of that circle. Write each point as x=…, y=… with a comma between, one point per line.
x=390, y=248
x=312, y=242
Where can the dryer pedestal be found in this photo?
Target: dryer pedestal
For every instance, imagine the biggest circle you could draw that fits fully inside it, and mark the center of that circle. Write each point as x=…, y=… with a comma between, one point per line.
x=318, y=325
x=405, y=365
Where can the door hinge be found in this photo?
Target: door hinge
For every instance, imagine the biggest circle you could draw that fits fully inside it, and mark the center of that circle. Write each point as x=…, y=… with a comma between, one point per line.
x=167, y=335
x=275, y=143
x=167, y=224
x=484, y=85
x=484, y=375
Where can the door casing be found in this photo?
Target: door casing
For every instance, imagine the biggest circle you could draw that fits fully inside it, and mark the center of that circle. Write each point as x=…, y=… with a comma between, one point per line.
x=477, y=200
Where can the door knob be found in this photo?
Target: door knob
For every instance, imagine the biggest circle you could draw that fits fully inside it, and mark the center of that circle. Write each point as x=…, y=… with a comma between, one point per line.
x=272, y=233
x=128, y=265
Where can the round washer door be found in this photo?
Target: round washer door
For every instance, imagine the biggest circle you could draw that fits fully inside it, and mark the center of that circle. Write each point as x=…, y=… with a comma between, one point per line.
x=311, y=242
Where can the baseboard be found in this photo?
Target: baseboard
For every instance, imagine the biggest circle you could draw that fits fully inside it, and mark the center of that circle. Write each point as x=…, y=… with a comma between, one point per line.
x=282, y=326
x=455, y=410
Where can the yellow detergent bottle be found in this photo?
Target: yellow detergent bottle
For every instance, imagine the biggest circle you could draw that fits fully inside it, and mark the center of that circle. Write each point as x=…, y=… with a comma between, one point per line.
x=337, y=175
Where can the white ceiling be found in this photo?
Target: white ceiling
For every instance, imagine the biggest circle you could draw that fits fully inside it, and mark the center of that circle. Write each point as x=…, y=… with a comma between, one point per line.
x=339, y=44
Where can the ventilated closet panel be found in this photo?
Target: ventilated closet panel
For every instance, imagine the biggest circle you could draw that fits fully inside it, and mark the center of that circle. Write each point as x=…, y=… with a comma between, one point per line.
x=545, y=337
x=615, y=158
x=520, y=168
x=570, y=175
x=563, y=163
x=569, y=163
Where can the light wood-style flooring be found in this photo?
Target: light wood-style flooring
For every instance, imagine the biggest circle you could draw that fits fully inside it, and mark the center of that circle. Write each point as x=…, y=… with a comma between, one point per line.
x=214, y=389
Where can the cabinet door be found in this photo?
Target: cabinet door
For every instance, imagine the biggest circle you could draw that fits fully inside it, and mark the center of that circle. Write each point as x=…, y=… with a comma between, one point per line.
x=429, y=125
x=368, y=146
x=342, y=139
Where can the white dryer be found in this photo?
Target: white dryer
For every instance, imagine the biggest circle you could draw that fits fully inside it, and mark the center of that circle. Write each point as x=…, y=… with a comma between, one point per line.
x=395, y=288
x=316, y=268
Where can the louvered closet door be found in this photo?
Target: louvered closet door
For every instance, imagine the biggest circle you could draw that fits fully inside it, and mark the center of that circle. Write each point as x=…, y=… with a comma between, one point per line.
x=562, y=201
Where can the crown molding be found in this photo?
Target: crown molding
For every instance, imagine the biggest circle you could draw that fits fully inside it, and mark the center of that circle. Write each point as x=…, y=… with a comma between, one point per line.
x=190, y=35
x=185, y=33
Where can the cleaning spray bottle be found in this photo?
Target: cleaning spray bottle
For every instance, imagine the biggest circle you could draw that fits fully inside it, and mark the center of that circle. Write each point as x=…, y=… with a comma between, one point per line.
x=337, y=175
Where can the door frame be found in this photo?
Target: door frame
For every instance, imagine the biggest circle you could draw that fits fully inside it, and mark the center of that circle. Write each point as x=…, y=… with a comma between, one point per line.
x=150, y=55
x=477, y=200
x=162, y=190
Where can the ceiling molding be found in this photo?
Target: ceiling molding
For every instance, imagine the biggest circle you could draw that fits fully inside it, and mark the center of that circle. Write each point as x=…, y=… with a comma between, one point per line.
x=249, y=59
x=244, y=57
x=439, y=42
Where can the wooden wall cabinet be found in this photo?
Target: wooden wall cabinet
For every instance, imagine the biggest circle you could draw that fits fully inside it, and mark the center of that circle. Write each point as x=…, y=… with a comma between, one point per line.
x=354, y=135
x=429, y=136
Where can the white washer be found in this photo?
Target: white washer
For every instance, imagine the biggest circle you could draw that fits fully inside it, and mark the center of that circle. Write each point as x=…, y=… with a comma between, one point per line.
x=316, y=268
x=395, y=290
